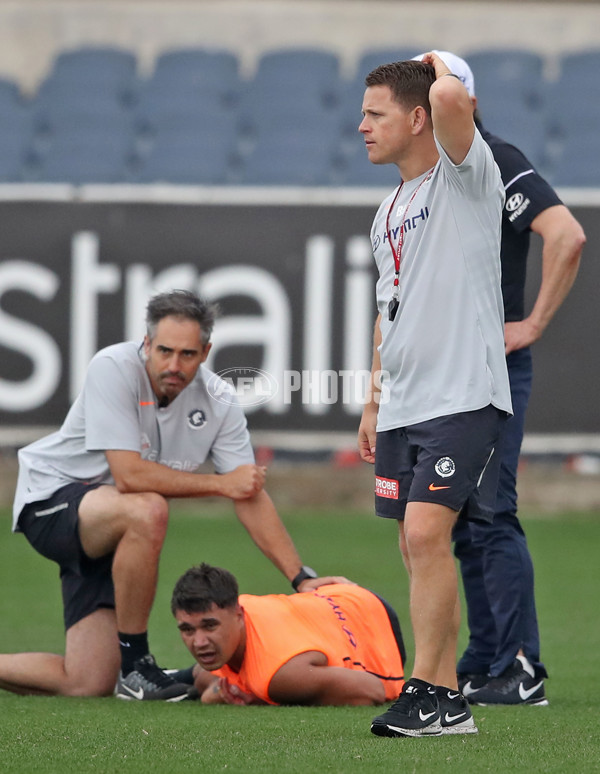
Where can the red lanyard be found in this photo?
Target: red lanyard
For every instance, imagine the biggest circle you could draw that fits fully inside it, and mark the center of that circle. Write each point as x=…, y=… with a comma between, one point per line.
x=397, y=252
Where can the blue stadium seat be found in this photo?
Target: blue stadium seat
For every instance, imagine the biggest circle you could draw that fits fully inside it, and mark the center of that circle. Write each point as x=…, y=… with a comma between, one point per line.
x=86, y=157
x=15, y=156
x=10, y=94
x=515, y=74
x=373, y=57
x=574, y=99
x=186, y=160
x=99, y=68
x=292, y=77
x=582, y=66
x=191, y=76
x=526, y=129
x=16, y=136
x=187, y=152
x=356, y=170
x=579, y=161
x=295, y=157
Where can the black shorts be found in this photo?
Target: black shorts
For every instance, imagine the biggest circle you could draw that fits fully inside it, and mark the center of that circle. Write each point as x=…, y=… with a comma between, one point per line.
x=448, y=460
x=52, y=528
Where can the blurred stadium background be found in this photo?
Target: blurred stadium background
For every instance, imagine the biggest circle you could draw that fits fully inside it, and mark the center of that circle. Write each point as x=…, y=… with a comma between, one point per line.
x=213, y=145
x=135, y=91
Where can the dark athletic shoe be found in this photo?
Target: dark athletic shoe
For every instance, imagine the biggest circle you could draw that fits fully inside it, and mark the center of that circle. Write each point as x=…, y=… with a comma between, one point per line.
x=468, y=683
x=455, y=714
x=148, y=682
x=414, y=713
x=181, y=675
x=514, y=686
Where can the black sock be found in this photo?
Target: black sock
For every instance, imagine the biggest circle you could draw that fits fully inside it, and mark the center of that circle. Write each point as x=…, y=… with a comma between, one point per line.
x=422, y=684
x=133, y=646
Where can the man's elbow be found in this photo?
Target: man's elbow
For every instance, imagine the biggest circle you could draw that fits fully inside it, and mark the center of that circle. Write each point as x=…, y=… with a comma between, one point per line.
x=579, y=240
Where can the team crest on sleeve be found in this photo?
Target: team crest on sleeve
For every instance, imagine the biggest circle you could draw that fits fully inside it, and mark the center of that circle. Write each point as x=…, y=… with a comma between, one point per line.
x=196, y=419
x=445, y=467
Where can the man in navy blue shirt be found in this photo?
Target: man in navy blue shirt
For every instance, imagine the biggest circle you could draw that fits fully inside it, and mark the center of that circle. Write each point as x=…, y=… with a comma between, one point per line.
x=501, y=664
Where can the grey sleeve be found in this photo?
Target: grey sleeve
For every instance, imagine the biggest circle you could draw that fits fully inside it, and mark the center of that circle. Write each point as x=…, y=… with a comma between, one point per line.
x=478, y=173
x=110, y=406
x=232, y=446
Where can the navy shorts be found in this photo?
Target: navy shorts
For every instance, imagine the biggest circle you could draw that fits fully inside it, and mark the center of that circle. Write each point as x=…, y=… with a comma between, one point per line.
x=52, y=528
x=448, y=460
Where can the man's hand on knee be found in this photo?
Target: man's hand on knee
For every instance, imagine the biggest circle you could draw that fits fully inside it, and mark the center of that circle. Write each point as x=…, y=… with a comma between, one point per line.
x=243, y=482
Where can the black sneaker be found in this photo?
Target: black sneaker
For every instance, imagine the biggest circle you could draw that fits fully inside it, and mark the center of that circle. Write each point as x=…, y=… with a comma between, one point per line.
x=468, y=683
x=455, y=714
x=414, y=713
x=516, y=685
x=148, y=682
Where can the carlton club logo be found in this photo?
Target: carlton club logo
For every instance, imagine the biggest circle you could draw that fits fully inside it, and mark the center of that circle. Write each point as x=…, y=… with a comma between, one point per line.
x=445, y=467
x=196, y=419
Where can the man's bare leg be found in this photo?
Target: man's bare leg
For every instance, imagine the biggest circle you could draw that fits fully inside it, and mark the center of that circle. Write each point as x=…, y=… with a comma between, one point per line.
x=433, y=584
x=89, y=667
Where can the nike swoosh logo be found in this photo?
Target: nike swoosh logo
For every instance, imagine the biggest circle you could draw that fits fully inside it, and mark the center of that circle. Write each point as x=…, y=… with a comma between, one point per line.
x=426, y=716
x=525, y=693
x=139, y=694
x=452, y=696
x=451, y=718
x=467, y=690
x=434, y=488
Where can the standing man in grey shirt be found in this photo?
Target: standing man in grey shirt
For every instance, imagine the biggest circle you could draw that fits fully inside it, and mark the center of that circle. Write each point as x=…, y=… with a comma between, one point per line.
x=439, y=344
x=93, y=498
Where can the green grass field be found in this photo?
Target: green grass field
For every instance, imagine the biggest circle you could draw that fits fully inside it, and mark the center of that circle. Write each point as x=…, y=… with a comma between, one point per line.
x=104, y=735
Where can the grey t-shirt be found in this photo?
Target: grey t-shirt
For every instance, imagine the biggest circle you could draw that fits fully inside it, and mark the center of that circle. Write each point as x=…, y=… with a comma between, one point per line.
x=117, y=409
x=444, y=351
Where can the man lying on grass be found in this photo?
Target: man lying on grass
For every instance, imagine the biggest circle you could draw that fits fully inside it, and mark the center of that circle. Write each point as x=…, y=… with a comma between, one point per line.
x=339, y=644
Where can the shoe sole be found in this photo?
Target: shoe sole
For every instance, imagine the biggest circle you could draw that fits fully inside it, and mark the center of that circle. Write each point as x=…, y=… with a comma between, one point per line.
x=381, y=729
x=461, y=728
x=534, y=703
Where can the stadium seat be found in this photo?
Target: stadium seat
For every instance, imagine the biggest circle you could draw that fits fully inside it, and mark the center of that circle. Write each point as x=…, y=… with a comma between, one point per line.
x=526, y=129
x=301, y=79
x=10, y=94
x=98, y=68
x=295, y=158
x=582, y=66
x=16, y=136
x=186, y=160
x=373, y=57
x=192, y=76
x=509, y=74
x=304, y=145
x=15, y=155
x=191, y=153
x=578, y=163
x=357, y=170
x=574, y=99
x=86, y=157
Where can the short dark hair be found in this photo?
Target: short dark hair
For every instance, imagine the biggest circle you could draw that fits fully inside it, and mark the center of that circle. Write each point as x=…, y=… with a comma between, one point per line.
x=409, y=82
x=181, y=303
x=203, y=586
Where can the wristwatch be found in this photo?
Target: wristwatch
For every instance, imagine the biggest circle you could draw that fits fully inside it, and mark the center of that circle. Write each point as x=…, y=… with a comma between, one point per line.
x=304, y=574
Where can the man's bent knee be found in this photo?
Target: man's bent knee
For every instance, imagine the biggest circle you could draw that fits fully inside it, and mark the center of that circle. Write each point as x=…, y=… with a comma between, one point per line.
x=152, y=512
